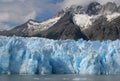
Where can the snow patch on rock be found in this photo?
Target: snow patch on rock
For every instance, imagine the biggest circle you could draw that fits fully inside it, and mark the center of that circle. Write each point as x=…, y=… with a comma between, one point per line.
x=83, y=20
x=42, y=25
x=111, y=17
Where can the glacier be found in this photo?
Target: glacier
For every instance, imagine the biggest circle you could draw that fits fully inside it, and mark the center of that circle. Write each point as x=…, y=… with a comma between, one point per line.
x=19, y=55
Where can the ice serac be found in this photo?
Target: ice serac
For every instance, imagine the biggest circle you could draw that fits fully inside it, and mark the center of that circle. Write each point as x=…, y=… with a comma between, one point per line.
x=43, y=56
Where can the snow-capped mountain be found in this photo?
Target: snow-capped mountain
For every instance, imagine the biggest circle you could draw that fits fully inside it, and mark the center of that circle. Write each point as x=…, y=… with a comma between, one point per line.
x=94, y=22
x=32, y=27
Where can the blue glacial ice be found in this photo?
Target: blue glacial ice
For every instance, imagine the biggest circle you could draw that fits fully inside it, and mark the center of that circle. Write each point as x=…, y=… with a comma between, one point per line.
x=43, y=56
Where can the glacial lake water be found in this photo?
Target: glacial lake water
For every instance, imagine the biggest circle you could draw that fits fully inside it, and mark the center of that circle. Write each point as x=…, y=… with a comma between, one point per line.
x=59, y=78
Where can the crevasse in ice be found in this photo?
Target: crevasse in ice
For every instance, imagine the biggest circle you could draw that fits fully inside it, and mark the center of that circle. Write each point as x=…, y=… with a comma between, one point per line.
x=43, y=56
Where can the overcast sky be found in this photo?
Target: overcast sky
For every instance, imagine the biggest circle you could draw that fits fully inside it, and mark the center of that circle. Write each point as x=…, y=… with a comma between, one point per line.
x=15, y=12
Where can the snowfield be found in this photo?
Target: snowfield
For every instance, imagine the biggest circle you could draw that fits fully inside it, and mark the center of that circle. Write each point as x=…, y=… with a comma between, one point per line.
x=42, y=25
x=43, y=56
x=111, y=17
x=84, y=21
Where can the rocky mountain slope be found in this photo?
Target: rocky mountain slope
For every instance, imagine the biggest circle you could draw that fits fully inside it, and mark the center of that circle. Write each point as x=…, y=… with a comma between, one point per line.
x=93, y=22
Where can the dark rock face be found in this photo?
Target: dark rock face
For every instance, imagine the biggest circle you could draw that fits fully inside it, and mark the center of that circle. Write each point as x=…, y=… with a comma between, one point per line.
x=19, y=31
x=64, y=29
x=104, y=30
x=93, y=8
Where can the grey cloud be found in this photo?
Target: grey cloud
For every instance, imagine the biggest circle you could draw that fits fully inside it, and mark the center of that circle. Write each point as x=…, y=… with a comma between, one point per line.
x=19, y=11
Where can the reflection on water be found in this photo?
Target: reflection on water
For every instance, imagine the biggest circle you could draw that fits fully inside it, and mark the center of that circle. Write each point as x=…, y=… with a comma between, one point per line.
x=59, y=78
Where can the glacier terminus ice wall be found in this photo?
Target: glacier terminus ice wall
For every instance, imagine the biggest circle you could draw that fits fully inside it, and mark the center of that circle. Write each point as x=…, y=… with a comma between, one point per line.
x=20, y=55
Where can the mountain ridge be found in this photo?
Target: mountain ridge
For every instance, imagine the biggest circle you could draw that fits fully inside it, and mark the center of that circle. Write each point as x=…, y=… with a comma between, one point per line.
x=75, y=22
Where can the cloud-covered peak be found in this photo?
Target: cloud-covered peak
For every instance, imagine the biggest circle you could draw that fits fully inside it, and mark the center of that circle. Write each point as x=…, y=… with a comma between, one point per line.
x=20, y=11
x=68, y=3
